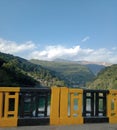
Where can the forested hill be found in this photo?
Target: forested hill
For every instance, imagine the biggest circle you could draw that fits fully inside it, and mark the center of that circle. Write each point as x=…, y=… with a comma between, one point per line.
x=74, y=74
x=106, y=79
x=16, y=71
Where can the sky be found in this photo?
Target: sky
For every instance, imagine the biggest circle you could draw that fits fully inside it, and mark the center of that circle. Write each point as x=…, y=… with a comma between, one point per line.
x=78, y=30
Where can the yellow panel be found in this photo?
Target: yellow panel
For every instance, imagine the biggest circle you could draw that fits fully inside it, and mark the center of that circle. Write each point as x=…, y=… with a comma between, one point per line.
x=9, y=89
x=59, y=106
x=1, y=104
x=7, y=121
x=6, y=105
x=64, y=119
x=80, y=103
x=113, y=120
x=11, y=96
x=109, y=105
x=80, y=91
x=112, y=114
x=71, y=121
x=54, y=109
x=64, y=103
x=113, y=91
x=10, y=112
x=71, y=104
x=16, y=104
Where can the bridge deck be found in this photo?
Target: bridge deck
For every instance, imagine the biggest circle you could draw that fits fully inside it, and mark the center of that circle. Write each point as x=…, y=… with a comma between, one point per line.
x=99, y=126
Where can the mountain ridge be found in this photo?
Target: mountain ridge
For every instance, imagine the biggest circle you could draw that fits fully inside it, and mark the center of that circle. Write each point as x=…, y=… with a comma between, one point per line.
x=84, y=62
x=16, y=71
x=73, y=73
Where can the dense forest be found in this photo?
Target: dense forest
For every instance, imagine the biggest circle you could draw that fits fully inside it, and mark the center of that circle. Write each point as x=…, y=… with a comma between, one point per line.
x=106, y=79
x=16, y=71
x=73, y=73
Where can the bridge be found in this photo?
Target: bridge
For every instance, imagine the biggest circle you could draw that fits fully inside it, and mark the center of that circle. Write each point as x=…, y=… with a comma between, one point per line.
x=56, y=107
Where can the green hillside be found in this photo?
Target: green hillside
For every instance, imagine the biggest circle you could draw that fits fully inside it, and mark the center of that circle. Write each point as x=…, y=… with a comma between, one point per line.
x=95, y=68
x=16, y=71
x=106, y=79
x=74, y=74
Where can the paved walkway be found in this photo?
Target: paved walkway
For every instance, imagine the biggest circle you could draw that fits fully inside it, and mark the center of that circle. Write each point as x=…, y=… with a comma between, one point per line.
x=103, y=126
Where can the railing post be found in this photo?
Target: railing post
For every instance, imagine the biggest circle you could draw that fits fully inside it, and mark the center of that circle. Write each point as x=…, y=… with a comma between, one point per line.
x=55, y=106
x=76, y=107
x=1, y=104
x=59, y=106
x=109, y=105
x=64, y=105
x=112, y=106
x=8, y=116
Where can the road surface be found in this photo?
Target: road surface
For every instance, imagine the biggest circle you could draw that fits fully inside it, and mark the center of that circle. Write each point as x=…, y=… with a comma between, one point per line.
x=101, y=126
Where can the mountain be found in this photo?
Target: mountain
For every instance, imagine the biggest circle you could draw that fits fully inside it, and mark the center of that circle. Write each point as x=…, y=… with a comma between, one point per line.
x=83, y=62
x=94, y=63
x=106, y=79
x=16, y=71
x=74, y=74
x=95, y=67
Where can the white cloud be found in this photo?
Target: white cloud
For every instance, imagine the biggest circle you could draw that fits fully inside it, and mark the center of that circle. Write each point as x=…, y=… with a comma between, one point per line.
x=13, y=47
x=114, y=48
x=76, y=53
x=52, y=52
x=30, y=50
x=85, y=39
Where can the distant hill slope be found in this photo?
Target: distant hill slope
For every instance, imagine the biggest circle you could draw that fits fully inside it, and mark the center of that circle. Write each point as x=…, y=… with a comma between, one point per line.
x=106, y=79
x=16, y=71
x=74, y=74
x=95, y=68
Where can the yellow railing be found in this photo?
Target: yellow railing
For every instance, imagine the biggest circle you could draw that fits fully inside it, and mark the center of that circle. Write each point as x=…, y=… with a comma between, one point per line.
x=9, y=116
x=59, y=106
x=112, y=106
x=66, y=106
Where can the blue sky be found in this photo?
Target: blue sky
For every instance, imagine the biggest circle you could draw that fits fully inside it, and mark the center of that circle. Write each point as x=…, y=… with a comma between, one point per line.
x=68, y=29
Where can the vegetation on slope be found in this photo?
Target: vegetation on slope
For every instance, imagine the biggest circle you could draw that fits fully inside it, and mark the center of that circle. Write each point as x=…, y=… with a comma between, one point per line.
x=106, y=79
x=16, y=71
x=74, y=74
x=95, y=68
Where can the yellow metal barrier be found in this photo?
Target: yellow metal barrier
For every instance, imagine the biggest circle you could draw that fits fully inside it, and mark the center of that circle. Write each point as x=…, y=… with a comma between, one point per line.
x=112, y=106
x=54, y=110
x=9, y=97
x=66, y=106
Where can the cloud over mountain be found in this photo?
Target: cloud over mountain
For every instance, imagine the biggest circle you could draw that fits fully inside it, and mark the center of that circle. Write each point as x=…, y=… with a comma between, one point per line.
x=76, y=53
x=30, y=50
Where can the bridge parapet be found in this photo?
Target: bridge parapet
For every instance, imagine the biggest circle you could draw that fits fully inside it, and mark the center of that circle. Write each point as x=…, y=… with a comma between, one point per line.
x=56, y=106
x=9, y=98
x=60, y=113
